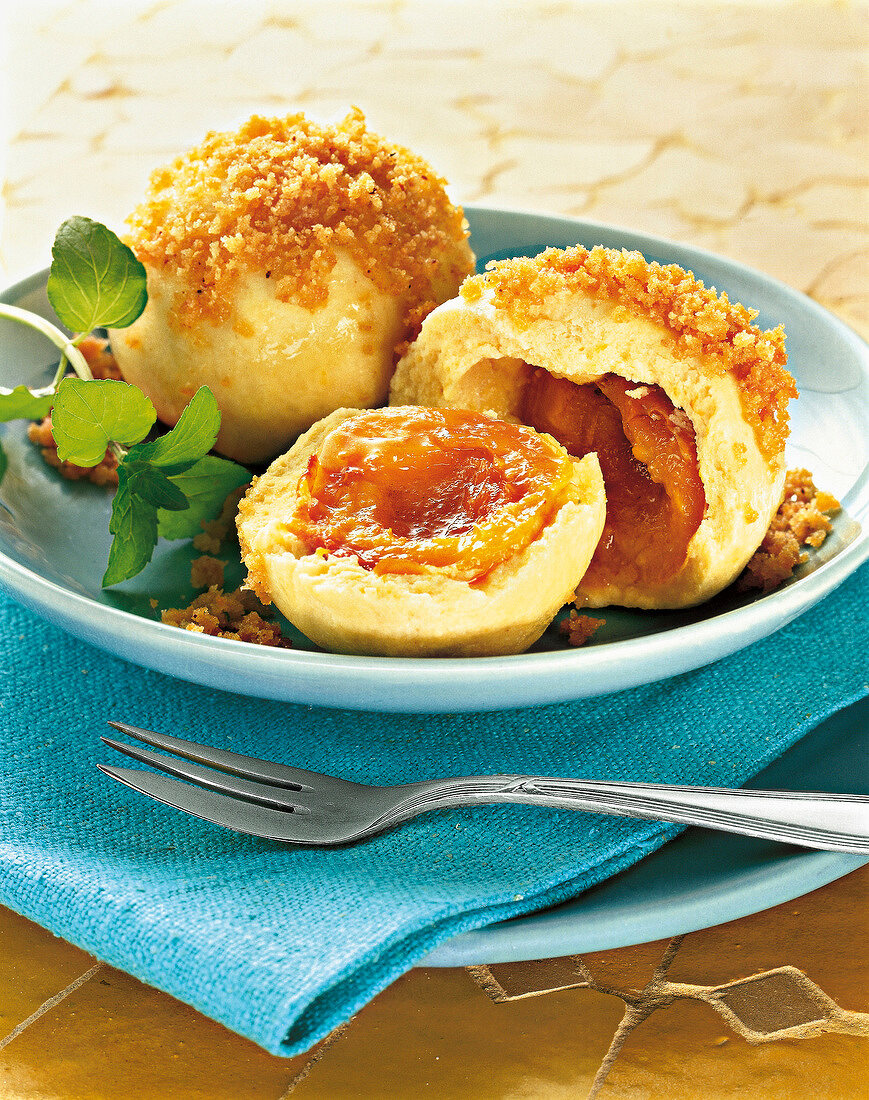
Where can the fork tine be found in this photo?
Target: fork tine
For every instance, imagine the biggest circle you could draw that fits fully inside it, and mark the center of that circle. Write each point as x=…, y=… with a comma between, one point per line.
x=279, y=798
x=249, y=767
x=243, y=817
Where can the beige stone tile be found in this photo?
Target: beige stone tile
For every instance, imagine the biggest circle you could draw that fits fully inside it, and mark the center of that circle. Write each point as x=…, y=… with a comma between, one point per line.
x=436, y=1033
x=831, y=204
x=79, y=117
x=276, y=59
x=628, y=968
x=687, y=1051
x=823, y=934
x=841, y=288
x=827, y=26
x=791, y=164
x=533, y=978
x=554, y=37
x=184, y=28
x=700, y=189
x=37, y=154
x=660, y=221
x=649, y=30
x=331, y=26
x=34, y=967
x=115, y=1038
x=782, y=245
x=566, y=168
x=78, y=23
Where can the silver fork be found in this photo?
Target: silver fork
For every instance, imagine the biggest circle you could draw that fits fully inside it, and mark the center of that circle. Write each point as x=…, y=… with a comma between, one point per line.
x=301, y=807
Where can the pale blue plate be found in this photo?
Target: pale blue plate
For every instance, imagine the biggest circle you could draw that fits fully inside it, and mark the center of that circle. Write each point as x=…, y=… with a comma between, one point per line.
x=54, y=536
x=701, y=878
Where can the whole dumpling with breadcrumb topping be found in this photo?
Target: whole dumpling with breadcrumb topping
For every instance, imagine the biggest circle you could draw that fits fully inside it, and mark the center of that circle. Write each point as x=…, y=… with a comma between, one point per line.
x=286, y=263
x=682, y=398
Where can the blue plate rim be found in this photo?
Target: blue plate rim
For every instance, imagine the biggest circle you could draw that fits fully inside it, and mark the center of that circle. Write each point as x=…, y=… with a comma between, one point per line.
x=541, y=935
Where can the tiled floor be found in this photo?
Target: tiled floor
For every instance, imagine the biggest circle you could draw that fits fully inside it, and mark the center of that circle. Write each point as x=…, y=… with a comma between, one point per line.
x=771, y=1006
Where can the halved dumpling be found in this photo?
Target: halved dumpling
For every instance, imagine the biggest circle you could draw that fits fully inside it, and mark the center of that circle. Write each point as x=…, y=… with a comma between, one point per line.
x=421, y=532
x=682, y=398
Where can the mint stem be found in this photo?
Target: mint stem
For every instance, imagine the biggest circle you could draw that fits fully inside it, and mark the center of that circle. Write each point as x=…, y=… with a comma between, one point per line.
x=60, y=340
x=60, y=372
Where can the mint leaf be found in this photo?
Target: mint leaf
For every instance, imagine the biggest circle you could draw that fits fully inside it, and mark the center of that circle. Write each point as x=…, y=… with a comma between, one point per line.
x=134, y=526
x=23, y=404
x=153, y=486
x=191, y=438
x=87, y=415
x=206, y=485
x=4, y=462
x=95, y=279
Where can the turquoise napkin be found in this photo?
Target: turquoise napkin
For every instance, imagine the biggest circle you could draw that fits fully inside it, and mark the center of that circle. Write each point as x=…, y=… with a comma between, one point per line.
x=282, y=944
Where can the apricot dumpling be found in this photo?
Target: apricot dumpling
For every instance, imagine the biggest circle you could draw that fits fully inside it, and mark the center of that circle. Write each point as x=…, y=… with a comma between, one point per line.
x=286, y=263
x=682, y=398
x=421, y=532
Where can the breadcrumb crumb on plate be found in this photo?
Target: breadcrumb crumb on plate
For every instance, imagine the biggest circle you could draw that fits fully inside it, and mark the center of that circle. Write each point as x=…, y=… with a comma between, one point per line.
x=578, y=629
x=803, y=519
x=236, y=615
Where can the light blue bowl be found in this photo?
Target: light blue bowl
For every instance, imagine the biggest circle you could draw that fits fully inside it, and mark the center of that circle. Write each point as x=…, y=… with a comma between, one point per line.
x=54, y=536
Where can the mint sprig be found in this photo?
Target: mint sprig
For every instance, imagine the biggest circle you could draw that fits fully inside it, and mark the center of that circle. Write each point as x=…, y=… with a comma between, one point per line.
x=87, y=416
x=134, y=526
x=192, y=437
x=95, y=281
x=167, y=486
x=206, y=485
x=24, y=404
x=152, y=478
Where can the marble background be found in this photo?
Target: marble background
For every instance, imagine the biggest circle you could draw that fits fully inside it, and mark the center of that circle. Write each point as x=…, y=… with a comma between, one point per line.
x=741, y=129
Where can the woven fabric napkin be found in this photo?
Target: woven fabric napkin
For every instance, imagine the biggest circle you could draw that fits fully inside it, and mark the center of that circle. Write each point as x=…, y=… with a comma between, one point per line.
x=281, y=944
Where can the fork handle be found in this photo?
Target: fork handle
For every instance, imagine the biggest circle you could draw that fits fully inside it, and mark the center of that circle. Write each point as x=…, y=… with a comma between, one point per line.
x=832, y=822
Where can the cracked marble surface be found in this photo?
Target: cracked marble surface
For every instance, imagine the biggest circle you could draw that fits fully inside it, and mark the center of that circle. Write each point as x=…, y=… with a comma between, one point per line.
x=738, y=128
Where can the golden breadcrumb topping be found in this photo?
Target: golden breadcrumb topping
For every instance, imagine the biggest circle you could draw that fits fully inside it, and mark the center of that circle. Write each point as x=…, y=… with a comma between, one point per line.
x=802, y=520
x=215, y=531
x=579, y=628
x=701, y=322
x=280, y=195
x=206, y=572
x=237, y=615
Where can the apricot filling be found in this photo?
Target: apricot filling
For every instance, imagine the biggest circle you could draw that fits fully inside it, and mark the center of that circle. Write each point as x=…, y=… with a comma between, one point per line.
x=648, y=457
x=404, y=490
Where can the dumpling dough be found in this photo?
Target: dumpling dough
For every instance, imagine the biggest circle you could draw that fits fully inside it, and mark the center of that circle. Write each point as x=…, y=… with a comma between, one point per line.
x=581, y=321
x=438, y=610
x=276, y=367
x=287, y=263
